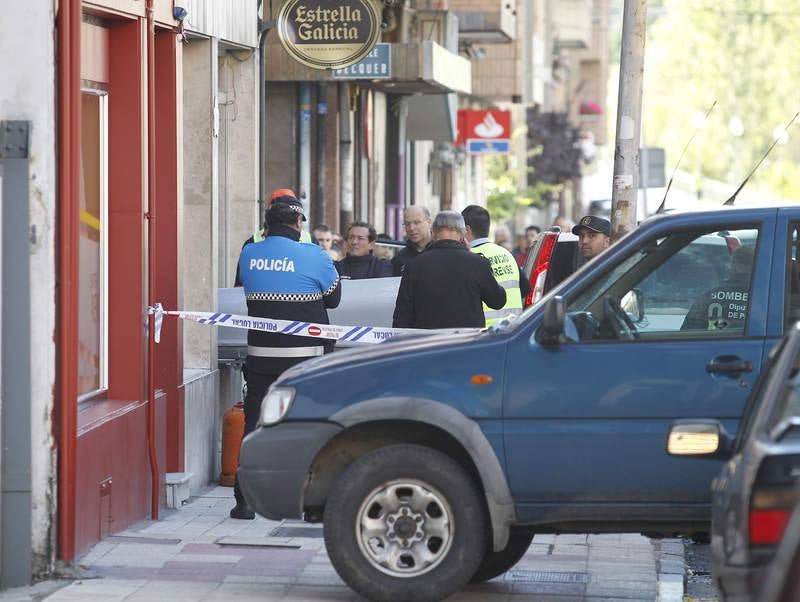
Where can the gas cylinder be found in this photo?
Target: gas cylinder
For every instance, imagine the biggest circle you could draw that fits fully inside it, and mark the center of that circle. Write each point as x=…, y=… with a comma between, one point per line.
x=232, y=432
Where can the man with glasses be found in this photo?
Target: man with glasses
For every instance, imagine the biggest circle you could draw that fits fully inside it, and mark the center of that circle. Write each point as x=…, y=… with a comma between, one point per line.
x=417, y=223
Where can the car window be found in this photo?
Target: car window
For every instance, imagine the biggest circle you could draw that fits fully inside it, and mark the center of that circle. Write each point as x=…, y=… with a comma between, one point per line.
x=792, y=304
x=787, y=410
x=685, y=285
x=790, y=404
x=563, y=262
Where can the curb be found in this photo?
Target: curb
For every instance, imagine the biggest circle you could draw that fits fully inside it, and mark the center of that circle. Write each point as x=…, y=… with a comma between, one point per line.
x=670, y=569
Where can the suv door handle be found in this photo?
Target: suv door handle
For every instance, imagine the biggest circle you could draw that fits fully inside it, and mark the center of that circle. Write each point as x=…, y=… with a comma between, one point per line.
x=727, y=364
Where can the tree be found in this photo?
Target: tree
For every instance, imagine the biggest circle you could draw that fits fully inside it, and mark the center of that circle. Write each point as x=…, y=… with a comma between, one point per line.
x=741, y=53
x=504, y=198
x=559, y=155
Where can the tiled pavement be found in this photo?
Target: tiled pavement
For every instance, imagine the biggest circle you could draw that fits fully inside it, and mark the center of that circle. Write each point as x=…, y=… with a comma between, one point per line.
x=198, y=553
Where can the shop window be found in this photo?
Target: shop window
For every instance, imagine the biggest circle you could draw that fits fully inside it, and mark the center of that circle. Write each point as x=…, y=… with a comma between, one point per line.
x=93, y=246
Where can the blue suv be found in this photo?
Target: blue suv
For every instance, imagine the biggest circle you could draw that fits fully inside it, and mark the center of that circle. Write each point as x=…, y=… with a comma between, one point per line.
x=433, y=460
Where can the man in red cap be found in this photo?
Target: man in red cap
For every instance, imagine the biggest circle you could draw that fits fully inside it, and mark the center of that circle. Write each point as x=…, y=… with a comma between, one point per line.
x=282, y=194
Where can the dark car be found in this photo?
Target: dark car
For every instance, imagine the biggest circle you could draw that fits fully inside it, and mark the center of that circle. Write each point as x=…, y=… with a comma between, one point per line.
x=754, y=495
x=782, y=581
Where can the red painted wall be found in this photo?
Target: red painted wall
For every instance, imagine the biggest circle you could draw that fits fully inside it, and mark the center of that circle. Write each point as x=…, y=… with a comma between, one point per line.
x=113, y=479
x=112, y=435
x=127, y=302
x=169, y=353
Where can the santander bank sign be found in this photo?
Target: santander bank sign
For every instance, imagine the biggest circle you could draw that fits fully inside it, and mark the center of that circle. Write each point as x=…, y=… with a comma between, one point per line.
x=484, y=131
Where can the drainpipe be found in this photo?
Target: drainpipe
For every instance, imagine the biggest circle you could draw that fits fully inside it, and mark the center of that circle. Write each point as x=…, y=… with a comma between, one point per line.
x=345, y=157
x=66, y=332
x=402, y=145
x=321, y=151
x=263, y=29
x=151, y=260
x=305, y=145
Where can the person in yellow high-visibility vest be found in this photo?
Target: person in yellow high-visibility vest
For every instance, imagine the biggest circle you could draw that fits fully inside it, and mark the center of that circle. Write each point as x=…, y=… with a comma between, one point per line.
x=504, y=266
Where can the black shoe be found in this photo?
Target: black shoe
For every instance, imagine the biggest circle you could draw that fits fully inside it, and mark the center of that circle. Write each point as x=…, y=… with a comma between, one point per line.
x=242, y=512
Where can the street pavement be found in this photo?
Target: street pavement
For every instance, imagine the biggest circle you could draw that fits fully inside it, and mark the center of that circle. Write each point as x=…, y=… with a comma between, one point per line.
x=699, y=586
x=199, y=553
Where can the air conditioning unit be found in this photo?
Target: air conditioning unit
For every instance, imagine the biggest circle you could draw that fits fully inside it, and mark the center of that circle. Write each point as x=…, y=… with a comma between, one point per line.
x=496, y=26
x=439, y=26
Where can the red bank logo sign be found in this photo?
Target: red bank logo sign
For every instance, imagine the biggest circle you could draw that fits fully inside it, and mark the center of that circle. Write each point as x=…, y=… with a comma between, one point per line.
x=484, y=131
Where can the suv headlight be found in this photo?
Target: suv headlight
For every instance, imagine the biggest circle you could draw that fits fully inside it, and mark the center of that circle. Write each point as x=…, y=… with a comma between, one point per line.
x=275, y=405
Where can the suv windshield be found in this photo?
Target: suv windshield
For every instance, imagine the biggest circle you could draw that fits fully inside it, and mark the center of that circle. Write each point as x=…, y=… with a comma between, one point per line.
x=695, y=268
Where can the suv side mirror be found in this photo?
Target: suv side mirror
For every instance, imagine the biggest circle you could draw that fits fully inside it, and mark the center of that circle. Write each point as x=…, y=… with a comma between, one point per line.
x=552, y=328
x=633, y=304
x=699, y=439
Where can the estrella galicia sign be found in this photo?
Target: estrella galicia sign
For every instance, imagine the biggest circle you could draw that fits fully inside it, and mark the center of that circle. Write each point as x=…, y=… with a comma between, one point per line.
x=329, y=34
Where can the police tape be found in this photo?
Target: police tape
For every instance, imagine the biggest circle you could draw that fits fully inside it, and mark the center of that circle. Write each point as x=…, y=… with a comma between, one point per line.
x=332, y=332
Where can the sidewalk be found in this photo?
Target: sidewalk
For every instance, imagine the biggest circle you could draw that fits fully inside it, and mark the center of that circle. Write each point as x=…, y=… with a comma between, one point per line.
x=198, y=553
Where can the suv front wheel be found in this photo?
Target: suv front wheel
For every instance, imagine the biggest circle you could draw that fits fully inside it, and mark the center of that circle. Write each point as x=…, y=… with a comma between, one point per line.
x=405, y=522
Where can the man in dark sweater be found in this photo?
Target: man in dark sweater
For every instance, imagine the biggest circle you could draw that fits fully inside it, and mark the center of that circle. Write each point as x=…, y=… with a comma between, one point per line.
x=417, y=224
x=360, y=262
x=446, y=285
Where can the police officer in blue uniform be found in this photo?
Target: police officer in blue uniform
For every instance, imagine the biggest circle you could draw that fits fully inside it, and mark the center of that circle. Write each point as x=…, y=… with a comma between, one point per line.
x=285, y=280
x=279, y=195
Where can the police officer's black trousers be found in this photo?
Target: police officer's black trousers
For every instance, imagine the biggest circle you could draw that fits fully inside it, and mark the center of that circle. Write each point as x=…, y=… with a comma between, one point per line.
x=257, y=385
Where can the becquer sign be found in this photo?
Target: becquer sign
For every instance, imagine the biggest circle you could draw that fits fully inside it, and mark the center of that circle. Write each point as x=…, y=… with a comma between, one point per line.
x=484, y=131
x=376, y=65
x=329, y=34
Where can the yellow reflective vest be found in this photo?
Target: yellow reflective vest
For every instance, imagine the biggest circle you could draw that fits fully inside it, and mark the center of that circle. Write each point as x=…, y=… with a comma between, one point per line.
x=506, y=272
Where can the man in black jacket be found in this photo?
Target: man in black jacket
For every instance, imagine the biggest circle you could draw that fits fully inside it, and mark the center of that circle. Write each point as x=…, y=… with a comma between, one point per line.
x=446, y=286
x=360, y=262
x=417, y=224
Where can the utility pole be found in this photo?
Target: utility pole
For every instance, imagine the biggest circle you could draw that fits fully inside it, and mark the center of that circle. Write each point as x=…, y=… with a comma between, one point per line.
x=629, y=116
